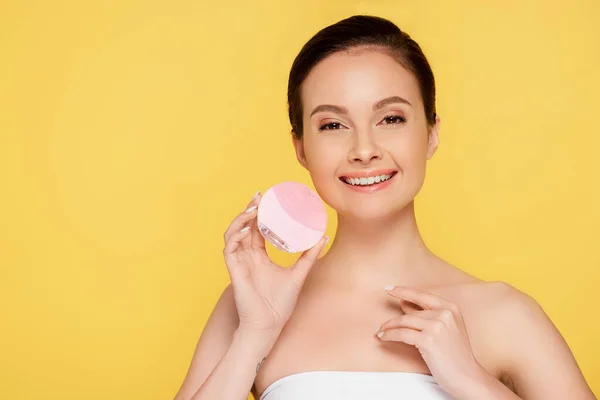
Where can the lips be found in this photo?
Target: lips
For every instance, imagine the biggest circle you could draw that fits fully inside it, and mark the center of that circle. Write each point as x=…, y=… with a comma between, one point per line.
x=367, y=174
x=367, y=178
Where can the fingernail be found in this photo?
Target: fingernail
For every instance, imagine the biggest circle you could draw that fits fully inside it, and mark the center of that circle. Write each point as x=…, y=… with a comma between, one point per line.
x=379, y=335
x=389, y=287
x=327, y=239
x=378, y=329
x=255, y=195
x=245, y=229
x=250, y=209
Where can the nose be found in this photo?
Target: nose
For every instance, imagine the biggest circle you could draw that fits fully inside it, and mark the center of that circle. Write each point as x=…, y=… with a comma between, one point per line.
x=364, y=149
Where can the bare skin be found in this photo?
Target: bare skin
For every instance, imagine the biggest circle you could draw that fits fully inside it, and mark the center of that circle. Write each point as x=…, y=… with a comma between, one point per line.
x=518, y=352
x=334, y=324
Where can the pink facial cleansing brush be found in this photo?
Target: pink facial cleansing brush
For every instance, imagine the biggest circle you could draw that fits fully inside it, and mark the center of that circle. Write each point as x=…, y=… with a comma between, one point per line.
x=291, y=217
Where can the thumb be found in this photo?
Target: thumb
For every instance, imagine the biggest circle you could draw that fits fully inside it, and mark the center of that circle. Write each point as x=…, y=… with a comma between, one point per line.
x=308, y=258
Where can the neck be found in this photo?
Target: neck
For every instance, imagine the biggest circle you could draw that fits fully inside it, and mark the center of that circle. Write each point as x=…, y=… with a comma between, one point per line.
x=376, y=253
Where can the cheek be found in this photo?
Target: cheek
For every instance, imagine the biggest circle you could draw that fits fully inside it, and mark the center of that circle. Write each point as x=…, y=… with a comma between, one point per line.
x=412, y=146
x=323, y=164
x=322, y=157
x=413, y=160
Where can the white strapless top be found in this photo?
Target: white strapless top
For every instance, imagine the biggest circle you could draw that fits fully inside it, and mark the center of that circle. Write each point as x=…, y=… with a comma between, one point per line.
x=355, y=385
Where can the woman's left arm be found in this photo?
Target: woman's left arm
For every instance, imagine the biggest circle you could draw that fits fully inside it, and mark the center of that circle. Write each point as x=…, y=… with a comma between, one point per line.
x=537, y=357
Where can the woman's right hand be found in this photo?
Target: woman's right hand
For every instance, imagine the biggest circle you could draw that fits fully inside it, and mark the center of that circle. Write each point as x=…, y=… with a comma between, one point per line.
x=265, y=293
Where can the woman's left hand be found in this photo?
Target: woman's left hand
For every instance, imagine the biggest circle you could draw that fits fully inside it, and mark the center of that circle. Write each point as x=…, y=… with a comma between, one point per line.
x=439, y=333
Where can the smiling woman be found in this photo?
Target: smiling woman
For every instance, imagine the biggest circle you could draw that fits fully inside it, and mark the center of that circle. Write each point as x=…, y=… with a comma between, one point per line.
x=361, y=100
x=374, y=118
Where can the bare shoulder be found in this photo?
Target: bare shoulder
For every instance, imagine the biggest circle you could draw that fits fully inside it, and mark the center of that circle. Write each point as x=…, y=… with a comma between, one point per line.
x=507, y=310
x=490, y=309
x=498, y=310
x=478, y=295
x=517, y=341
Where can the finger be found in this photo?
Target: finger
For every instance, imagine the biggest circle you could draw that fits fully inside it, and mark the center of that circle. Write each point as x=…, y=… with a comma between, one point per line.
x=405, y=335
x=252, y=208
x=427, y=314
x=409, y=307
x=239, y=222
x=254, y=198
x=246, y=241
x=412, y=321
x=241, y=219
x=308, y=258
x=254, y=239
x=234, y=243
x=258, y=241
x=427, y=300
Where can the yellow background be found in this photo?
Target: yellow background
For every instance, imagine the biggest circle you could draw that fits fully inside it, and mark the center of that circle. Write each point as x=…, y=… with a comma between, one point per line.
x=131, y=132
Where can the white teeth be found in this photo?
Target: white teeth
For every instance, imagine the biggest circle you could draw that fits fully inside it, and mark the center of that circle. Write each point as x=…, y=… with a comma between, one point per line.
x=368, y=181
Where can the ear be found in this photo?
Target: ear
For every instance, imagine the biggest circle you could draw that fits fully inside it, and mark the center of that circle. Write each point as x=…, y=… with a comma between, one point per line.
x=299, y=147
x=433, y=139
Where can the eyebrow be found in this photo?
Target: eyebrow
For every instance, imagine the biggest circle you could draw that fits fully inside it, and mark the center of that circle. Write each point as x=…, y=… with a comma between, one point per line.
x=343, y=110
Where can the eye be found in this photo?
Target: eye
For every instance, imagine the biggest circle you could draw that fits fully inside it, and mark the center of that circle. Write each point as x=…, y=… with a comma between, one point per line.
x=394, y=119
x=330, y=126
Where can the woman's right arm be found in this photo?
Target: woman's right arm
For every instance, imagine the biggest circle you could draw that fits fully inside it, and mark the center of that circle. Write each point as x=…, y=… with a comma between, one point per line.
x=226, y=358
x=248, y=317
x=235, y=373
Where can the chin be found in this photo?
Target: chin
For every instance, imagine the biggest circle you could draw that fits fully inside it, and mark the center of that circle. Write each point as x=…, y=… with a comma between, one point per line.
x=371, y=211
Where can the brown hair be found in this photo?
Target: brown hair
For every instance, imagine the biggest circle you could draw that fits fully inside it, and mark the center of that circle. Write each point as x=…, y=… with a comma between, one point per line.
x=360, y=31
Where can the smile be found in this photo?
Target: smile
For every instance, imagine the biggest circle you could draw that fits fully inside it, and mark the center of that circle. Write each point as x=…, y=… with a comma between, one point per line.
x=368, y=181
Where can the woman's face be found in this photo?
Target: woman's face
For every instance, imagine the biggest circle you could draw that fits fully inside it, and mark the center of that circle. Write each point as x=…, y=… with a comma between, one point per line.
x=363, y=117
